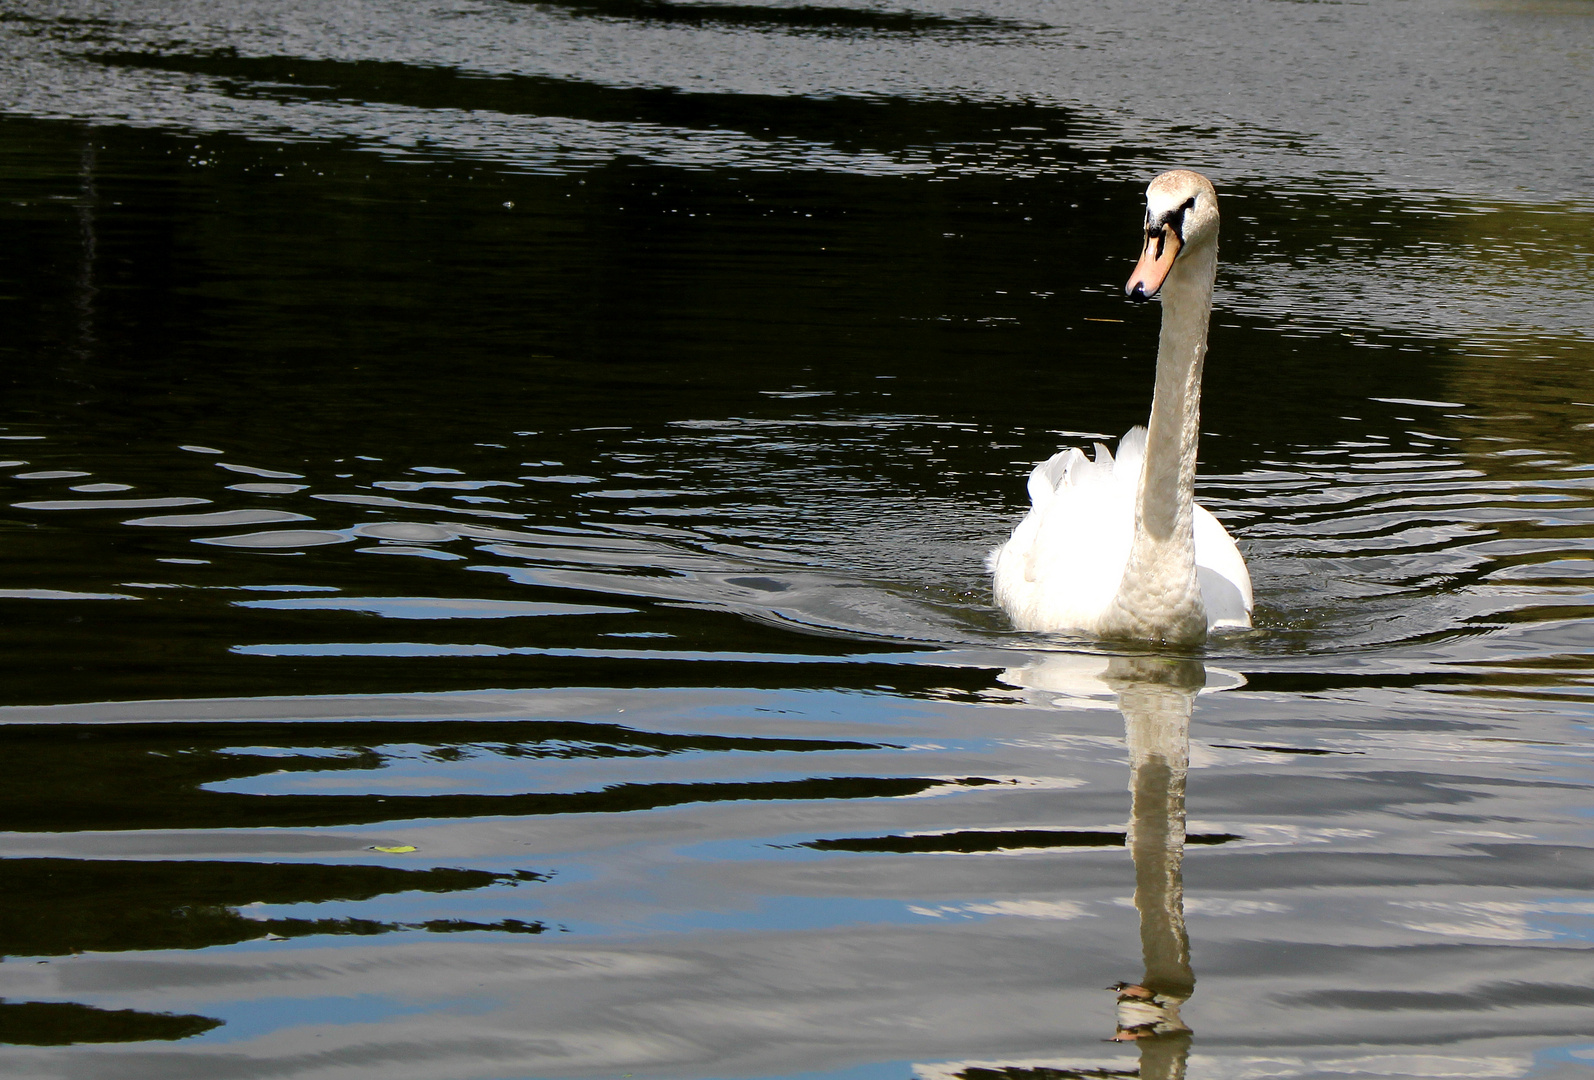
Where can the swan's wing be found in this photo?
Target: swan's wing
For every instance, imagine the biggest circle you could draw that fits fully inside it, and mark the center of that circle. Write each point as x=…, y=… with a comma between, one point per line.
x=1062, y=565
x=1225, y=582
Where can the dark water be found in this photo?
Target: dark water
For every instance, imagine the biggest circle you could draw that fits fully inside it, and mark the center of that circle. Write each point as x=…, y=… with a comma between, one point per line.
x=494, y=514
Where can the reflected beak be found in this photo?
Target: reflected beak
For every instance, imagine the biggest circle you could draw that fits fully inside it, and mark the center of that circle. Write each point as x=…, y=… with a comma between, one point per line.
x=1155, y=261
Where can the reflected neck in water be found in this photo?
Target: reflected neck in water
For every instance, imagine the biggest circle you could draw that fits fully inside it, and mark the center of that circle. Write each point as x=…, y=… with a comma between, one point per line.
x=1156, y=697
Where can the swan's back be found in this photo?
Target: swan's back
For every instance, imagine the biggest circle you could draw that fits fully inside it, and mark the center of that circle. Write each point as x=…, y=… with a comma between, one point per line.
x=1062, y=567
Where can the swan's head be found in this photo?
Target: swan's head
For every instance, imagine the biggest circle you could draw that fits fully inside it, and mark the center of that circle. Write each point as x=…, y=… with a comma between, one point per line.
x=1181, y=217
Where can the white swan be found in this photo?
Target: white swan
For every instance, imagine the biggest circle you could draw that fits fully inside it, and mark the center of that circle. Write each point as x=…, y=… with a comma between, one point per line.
x=1119, y=549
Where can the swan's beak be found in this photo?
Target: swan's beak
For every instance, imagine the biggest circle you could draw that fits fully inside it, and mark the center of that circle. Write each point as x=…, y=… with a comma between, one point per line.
x=1162, y=247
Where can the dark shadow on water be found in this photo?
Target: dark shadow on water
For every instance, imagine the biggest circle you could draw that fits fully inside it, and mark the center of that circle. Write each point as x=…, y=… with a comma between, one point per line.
x=65, y=777
x=63, y=1023
x=58, y=907
x=802, y=18
x=1042, y=1072
x=849, y=122
x=230, y=810
x=995, y=840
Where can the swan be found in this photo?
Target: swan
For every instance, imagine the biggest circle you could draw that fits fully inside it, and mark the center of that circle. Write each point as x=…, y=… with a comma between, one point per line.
x=1118, y=548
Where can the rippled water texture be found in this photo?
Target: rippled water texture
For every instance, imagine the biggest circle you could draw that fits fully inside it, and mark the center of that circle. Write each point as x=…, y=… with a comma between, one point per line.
x=494, y=504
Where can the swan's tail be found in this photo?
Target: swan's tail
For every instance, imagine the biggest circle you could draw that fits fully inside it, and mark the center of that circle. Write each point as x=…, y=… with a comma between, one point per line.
x=1072, y=469
x=1057, y=471
x=1073, y=542
x=1131, y=456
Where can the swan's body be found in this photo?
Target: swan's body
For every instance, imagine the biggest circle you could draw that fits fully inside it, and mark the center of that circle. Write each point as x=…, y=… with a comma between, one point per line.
x=1118, y=548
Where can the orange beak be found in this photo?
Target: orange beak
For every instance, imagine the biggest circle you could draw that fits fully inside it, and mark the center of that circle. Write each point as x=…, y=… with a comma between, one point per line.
x=1156, y=259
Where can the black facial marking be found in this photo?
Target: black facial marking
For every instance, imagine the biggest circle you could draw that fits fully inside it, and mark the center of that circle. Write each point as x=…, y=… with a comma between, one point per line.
x=1175, y=218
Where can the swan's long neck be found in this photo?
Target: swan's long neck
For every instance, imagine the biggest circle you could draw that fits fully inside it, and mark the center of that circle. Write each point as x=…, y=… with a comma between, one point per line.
x=1159, y=598
x=1173, y=436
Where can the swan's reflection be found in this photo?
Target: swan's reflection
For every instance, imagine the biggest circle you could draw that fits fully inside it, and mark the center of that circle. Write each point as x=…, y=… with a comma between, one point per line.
x=1156, y=696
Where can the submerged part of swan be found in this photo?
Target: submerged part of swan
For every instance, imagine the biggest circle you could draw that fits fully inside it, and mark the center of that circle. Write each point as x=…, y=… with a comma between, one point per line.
x=1117, y=548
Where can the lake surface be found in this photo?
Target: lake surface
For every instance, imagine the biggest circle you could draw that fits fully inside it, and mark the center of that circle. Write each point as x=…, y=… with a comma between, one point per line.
x=495, y=499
